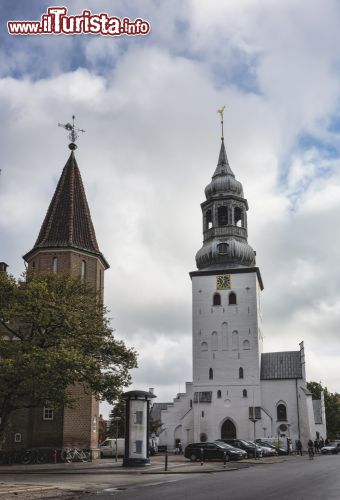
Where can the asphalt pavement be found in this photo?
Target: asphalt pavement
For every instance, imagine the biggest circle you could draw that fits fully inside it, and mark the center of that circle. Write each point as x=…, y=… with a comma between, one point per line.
x=106, y=479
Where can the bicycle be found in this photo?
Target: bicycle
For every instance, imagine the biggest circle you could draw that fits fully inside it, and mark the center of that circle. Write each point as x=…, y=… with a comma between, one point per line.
x=74, y=455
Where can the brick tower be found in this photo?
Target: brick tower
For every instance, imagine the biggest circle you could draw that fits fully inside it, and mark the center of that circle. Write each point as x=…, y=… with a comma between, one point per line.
x=67, y=244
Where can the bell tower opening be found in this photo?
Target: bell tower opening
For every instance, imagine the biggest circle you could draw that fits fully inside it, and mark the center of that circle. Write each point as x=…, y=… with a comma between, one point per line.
x=228, y=430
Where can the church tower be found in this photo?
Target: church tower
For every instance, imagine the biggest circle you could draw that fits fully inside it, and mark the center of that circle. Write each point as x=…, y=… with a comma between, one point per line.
x=227, y=338
x=67, y=244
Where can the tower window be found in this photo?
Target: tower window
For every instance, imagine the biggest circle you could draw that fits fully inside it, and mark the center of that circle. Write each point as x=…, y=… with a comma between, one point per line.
x=214, y=341
x=222, y=215
x=240, y=372
x=54, y=264
x=219, y=394
x=83, y=271
x=204, y=346
x=246, y=344
x=238, y=216
x=245, y=393
x=281, y=411
x=208, y=219
x=217, y=299
x=211, y=374
x=232, y=299
x=222, y=248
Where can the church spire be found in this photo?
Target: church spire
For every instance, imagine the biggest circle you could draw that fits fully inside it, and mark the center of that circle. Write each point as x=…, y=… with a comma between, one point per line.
x=68, y=222
x=224, y=219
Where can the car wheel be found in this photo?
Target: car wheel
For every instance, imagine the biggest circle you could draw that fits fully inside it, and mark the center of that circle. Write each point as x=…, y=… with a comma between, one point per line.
x=193, y=457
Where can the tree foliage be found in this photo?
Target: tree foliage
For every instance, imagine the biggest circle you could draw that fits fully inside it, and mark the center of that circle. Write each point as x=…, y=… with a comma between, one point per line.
x=117, y=412
x=54, y=333
x=332, y=407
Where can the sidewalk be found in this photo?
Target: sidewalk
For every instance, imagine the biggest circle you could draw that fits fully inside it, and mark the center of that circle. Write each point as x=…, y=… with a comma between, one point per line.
x=176, y=464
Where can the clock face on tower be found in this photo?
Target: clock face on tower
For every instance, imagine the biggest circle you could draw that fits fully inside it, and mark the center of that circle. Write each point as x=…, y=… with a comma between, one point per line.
x=223, y=281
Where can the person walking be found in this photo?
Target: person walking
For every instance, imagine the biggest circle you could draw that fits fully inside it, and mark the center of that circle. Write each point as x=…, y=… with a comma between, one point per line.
x=298, y=447
x=311, y=449
x=316, y=446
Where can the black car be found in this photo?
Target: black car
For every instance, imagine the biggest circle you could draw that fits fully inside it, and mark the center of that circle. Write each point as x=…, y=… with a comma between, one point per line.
x=263, y=442
x=247, y=446
x=212, y=451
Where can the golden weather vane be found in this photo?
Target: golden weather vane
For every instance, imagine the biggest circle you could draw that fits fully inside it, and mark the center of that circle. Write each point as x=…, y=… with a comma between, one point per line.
x=221, y=111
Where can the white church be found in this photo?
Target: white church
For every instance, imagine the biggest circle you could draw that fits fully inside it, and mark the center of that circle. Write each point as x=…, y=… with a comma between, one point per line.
x=237, y=389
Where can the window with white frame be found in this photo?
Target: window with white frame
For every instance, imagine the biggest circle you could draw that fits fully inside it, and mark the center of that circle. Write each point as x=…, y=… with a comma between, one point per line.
x=138, y=417
x=48, y=414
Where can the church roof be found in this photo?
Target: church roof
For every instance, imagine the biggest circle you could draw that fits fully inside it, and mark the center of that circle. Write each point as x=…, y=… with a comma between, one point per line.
x=68, y=220
x=281, y=365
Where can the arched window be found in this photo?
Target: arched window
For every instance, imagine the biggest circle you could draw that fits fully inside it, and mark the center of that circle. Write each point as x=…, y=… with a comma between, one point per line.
x=208, y=219
x=222, y=216
x=219, y=394
x=240, y=372
x=214, y=341
x=204, y=346
x=281, y=412
x=54, y=264
x=211, y=374
x=222, y=248
x=246, y=344
x=234, y=341
x=245, y=395
x=83, y=271
x=237, y=216
x=232, y=299
x=225, y=336
x=216, y=299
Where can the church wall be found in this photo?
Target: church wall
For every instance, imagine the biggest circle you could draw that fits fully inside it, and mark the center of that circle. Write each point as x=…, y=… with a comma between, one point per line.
x=288, y=392
x=225, y=352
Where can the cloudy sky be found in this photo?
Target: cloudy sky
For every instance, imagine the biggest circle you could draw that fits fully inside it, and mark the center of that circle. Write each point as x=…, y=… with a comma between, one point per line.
x=148, y=105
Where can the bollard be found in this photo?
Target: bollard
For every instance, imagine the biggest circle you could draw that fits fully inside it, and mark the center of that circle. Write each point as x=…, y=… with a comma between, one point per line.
x=201, y=456
x=166, y=461
x=224, y=459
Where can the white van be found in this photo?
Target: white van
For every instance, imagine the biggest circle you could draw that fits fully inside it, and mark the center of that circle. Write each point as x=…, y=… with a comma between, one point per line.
x=108, y=448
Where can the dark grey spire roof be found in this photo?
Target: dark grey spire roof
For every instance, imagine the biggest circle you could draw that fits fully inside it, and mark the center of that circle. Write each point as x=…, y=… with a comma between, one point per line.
x=223, y=167
x=281, y=365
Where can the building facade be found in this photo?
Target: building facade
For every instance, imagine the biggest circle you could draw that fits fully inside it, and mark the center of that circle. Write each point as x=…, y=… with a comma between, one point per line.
x=237, y=389
x=66, y=244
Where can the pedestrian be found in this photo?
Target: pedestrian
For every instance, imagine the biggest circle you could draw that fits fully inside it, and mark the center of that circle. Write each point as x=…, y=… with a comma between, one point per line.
x=316, y=446
x=180, y=448
x=326, y=442
x=310, y=449
x=298, y=447
x=322, y=443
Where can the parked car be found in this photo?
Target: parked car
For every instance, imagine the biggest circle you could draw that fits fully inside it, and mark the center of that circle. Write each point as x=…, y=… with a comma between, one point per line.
x=268, y=451
x=247, y=446
x=212, y=451
x=331, y=449
x=279, y=450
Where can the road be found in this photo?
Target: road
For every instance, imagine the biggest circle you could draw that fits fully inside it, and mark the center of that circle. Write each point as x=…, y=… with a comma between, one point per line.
x=317, y=479
x=297, y=478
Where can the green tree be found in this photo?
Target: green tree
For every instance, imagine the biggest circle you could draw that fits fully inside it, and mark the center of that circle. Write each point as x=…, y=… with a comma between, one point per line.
x=332, y=407
x=54, y=333
x=117, y=420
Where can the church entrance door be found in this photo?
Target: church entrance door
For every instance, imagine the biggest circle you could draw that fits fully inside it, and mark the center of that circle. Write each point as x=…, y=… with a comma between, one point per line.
x=228, y=430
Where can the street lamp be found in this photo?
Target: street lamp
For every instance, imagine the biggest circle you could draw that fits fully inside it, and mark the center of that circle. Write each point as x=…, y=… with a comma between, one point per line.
x=116, y=419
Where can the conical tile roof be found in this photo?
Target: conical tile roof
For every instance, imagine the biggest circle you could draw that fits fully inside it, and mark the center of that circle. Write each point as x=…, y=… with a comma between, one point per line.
x=68, y=220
